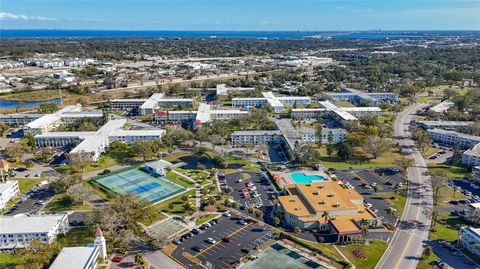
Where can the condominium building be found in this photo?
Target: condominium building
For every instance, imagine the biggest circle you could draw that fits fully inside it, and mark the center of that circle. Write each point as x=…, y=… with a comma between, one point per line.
x=150, y=105
x=469, y=238
x=471, y=157
x=18, y=118
x=205, y=113
x=47, y=122
x=95, y=143
x=340, y=114
x=223, y=90
x=445, y=125
x=277, y=103
x=17, y=231
x=476, y=173
x=304, y=206
x=8, y=190
x=77, y=258
x=353, y=95
x=452, y=138
x=256, y=137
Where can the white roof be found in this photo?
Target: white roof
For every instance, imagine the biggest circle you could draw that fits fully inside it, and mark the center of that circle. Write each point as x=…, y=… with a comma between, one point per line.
x=159, y=165
x=43, y=121
x=447, y=123
x=328, y=104
x=442, y=107
x=344, y=114
x=228, y=111
x=29, y=224
x=358, y=109
x=203, y=114
x=72, y=108
x=176, y=100
x=120, y=132
x=6, y=185
x=65, y=134
x=257, y=132
x=253, y=98
x=128, y=100
x=74, y=258
x=309, y=110
x=152, y=102
x=272, y=100
x=111, y=126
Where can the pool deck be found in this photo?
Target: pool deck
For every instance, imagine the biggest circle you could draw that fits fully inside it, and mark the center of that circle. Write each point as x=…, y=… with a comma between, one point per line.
x=287, y=179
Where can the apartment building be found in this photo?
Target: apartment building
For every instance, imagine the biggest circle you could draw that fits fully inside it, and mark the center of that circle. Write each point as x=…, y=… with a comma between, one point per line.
x=469, y=238
x=452, y=138
x=471, y=157
x=445, y=125
x=304, y=206
x=96, y=143
x=353, y=95
x=17, y=231
x=277, y=103
x=256, y=137
x=205, y=113
x=476, y=173
x=8, y=190
x=77, y=258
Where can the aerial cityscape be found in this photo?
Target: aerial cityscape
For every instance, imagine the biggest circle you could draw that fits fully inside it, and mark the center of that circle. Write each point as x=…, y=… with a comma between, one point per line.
x=237, y=134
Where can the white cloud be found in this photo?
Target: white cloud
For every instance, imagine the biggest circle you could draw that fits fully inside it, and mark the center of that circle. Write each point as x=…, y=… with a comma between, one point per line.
x=10, y=16
x=5, y=15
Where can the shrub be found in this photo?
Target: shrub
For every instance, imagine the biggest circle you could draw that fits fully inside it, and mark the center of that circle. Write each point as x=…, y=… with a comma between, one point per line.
x=360, y=254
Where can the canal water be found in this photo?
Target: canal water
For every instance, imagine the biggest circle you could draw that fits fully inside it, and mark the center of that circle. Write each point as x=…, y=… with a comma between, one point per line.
x=14, y=104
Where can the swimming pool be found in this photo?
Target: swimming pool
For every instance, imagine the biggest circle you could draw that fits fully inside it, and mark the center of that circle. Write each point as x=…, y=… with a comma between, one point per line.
x=137, y=181
x=301, y=178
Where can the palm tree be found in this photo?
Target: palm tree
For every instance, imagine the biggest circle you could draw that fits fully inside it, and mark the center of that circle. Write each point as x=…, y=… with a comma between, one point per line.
x=326, y=216
x=276, y=221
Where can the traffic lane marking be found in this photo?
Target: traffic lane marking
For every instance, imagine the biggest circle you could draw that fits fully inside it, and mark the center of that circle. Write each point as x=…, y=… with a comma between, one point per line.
x=239, y=230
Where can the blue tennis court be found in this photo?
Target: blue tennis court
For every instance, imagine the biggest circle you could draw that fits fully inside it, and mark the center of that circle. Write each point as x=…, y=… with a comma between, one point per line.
x=144, y=185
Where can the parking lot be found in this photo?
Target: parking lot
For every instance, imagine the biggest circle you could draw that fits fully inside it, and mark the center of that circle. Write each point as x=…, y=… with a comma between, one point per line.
x=223, y=253
x=35, y=200
x=262, y=186
x=361, y=180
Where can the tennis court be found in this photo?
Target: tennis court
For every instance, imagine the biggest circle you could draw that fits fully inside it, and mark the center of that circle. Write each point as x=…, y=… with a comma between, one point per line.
x=135, y=180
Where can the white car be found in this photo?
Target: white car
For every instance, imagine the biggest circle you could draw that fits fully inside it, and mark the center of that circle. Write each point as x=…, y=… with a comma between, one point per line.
x=227, y=214
x=211, y=240
x=368, y=205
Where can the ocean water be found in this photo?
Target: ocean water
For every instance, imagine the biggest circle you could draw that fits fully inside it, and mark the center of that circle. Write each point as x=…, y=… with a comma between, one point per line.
x=47, y=33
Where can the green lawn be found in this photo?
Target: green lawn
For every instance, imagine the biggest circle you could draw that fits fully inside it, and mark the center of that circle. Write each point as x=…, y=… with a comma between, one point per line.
x=179, y=180
x=7, y=261
x=429, y=152
x=205, y=218
x=104, y=162
x=374, y=252
x=446, y=228
x=55, y=206
x=77, y=237
x=386, y=160
x=25, y=184
x=446, y=194
x=452, y=171
x=95, y=189
x=154, y=218
x=424, y=262
x=177, y=203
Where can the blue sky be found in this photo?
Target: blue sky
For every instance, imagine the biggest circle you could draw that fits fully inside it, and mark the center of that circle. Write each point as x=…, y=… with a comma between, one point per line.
x=262, y=15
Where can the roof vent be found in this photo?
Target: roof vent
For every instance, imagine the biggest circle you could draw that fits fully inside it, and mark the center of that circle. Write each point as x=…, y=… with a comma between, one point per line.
x=292, y=200
x=321, y=186
x=322, y=202
x=337, y=204
x=331, y=195
x=316, y=193
x=298, y=208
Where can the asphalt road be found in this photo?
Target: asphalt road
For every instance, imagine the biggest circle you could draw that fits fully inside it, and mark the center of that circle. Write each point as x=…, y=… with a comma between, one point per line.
x=406, y=246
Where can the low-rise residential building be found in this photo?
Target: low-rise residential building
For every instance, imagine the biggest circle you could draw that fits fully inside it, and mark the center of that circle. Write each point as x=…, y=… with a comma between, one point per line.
x=95, y=143
x=340, y=114
x=8, y=190
x=471, y=157
x=77, y=258
x=469, y=238
x=328, y=207
x=150, y=105
x=445, y=125
x=277, y=103
x=454, y=139
x=17, y=231
x=205, y=113
x=256, y=137
x=126, y=104
x=476, y=173
x=353, y=95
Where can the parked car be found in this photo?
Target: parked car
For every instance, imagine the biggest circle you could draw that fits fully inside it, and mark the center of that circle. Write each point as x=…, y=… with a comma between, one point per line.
x=227, y=214
x=117, y=259
x=197, y=248
x=227, y=239
x=211, y=240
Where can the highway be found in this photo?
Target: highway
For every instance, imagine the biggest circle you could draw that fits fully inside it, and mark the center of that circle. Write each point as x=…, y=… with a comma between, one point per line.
x=406, y=246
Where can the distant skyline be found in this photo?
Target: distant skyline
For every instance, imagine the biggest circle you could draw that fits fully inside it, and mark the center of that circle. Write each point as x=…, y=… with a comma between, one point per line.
x=241, y=15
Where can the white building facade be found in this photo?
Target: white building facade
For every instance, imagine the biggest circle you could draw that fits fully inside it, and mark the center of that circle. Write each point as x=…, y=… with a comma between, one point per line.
x=8, y=190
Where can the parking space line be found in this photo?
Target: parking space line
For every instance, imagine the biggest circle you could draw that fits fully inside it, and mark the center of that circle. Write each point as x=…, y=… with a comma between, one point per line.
x=237, y=231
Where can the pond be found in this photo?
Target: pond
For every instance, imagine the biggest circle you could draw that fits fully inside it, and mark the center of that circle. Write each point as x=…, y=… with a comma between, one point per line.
x=13, y=104
x=193, y=161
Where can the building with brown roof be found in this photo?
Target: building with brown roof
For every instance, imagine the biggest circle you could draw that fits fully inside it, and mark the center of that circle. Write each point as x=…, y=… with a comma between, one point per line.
x=4, y=167
x=326, y=206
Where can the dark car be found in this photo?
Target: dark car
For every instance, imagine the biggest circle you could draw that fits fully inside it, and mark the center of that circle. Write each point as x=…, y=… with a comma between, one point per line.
x=197, y=248
x=227, y=239
x=195, y=231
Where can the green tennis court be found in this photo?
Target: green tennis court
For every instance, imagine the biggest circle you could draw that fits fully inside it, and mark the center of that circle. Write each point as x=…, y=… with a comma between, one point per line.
x=139, y=182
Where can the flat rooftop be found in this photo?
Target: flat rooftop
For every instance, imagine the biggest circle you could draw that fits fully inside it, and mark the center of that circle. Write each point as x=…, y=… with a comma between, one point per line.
x=29, y=224
x=74, y=258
